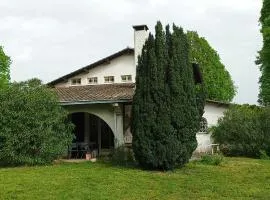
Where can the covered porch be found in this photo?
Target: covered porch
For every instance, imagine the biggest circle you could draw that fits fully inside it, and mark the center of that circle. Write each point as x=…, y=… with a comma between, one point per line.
x=98, y=129
x=101, y=114
x=92, y=135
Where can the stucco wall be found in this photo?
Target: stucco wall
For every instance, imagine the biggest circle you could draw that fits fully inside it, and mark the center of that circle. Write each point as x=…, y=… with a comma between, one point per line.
x=114, y=117
x=123, y=65
x=212, y=112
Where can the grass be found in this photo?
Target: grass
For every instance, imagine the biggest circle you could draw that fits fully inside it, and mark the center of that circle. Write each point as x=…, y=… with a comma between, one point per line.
x=237, y=178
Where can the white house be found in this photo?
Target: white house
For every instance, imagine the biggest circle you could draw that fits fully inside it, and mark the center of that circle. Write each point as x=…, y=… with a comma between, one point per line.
x=99, y=97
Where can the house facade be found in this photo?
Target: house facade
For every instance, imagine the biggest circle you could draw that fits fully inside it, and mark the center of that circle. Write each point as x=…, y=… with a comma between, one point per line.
x=98, y=98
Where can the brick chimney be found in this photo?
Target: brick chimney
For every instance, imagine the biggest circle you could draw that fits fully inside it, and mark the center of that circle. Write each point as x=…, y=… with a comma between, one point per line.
x=141, y=33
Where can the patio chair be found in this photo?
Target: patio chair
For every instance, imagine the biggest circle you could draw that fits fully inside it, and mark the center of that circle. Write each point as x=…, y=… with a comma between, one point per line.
x=73, y=150
x=83, y=148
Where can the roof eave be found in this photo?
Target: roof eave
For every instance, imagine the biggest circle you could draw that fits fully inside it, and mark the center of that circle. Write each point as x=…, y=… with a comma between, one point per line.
x=219, y=103
x=65, y=103
x=71, y=103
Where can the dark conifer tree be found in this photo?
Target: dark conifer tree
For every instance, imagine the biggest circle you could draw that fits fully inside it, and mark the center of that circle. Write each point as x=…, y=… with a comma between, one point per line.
x=185, y=107
x=143, y=113
x=263, y=59
x=166, y=110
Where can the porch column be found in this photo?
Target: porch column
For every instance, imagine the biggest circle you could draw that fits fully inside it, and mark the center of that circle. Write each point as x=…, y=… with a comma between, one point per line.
x=118, y=127
x=99, y=136
x=86, y=128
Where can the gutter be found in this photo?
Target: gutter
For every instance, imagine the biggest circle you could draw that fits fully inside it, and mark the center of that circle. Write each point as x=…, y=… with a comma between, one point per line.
x=86, y=102
x=70, y=103
x=219, y=103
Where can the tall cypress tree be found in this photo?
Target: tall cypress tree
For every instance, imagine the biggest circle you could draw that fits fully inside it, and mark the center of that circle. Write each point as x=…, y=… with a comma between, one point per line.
x=143, y=113
x=185, y=108
x=264, y=55
x=166, y=112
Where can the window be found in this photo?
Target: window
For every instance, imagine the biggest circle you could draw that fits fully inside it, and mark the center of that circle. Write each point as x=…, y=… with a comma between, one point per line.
x=108, y=79
x=126, y=78
x=76, y=81
x=203, y=126
x=93, y=80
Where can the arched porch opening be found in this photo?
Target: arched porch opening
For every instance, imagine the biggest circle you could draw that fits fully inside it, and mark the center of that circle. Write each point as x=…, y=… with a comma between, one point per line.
x=91, y=134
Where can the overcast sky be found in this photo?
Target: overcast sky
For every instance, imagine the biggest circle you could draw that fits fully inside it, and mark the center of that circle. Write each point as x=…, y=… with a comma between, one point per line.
x=49, y=38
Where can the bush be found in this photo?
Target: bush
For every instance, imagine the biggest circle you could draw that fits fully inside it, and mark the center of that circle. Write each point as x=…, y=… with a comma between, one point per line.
x=215, y=159
x=244, y=131
x=264, y=156
x=122, y=156
x=33, y=127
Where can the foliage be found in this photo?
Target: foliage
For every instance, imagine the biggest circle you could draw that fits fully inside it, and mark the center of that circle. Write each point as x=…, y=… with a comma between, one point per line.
x=122, y=156
x=263, y=59
x=218, y=82
x=33, y=126
x=263, y=155
x=215, y=159
x=244, y=131
x=4, y=68
x=166, y=109
x=238, y=178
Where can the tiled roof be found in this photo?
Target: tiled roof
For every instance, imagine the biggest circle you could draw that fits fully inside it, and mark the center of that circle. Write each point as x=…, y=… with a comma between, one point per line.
x=92, y=93
x=116, y=92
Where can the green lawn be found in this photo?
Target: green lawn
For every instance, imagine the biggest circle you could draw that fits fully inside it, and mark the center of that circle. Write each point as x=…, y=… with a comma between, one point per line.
x=238, y=178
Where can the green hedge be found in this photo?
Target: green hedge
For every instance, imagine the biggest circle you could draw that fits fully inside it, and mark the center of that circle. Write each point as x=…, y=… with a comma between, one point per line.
x=33, y=127
x=244, y=131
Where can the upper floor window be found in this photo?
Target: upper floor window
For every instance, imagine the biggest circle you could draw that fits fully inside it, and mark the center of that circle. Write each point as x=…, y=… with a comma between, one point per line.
x=93, y=80
x=76, y=81
x=203, y=126
x=126, y=78
x=109, y=79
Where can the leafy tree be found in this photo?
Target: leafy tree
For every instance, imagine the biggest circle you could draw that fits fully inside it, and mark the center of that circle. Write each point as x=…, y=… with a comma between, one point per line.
x=165, y=110
x=217, y=80
x=263, y=59
x=34, y=128
x=4, y=68
x=244, y=131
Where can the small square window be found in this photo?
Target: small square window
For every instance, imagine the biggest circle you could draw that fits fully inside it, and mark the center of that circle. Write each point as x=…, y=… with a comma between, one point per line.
x=93, y=80
x=126, y=78
x=76, y=81
x=203, y=126
x=109, y=79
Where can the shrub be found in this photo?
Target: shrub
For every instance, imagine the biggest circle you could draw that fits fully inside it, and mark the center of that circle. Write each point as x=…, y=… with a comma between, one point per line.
x=264, y=156
x=122, y=156
x=215, y=159
x=33, y=127
x=244, y=131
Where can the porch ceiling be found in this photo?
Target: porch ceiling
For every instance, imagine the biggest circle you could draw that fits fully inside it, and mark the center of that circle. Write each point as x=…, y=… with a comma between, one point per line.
x=96, y=93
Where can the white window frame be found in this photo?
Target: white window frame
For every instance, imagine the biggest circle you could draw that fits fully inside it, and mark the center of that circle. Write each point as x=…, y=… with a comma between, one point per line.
x=108, y=79
x=76, y=81
x=126, y=78
x=93, y=80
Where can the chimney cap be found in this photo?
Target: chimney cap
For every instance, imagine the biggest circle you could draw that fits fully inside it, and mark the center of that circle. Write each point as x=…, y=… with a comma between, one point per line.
x=140, y=27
